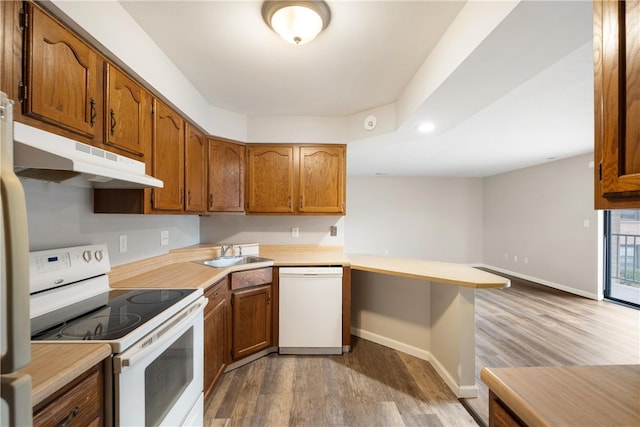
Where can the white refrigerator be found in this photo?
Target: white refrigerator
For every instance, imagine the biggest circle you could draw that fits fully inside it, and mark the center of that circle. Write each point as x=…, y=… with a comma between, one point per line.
x=15, y=344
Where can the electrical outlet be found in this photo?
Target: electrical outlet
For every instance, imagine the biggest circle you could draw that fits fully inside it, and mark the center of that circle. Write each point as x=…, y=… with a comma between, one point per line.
x=515, y=258
x=333, y=230
x=123, y=243
x=506, y=257
x=295, y=232
x=164, y=238
x=526, y=260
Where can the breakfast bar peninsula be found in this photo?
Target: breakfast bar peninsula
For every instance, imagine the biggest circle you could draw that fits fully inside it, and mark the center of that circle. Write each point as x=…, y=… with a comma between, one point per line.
x=423, y=308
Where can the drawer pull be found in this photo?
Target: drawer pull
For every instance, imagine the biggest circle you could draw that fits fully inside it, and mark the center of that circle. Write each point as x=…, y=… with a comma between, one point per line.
x=74, y=412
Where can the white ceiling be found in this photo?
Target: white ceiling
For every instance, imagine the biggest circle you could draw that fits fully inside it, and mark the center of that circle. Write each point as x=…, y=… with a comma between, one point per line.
x=522, y=96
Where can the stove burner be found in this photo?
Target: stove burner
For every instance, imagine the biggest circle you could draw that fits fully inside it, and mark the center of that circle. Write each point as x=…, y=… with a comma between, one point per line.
x=94, y=328
x=156, y=296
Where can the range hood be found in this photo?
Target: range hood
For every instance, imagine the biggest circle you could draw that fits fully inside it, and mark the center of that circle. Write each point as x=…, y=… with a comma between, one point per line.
x=45, y=156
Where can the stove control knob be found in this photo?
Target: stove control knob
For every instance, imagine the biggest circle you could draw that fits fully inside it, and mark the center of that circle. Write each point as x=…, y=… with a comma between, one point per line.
x=98, y=255
x=86, y=255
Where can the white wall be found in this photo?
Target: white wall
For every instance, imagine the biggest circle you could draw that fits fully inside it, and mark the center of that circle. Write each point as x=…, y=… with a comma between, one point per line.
x=271, y=230
x=61, y=216
x=538, y=215
x=418, y=217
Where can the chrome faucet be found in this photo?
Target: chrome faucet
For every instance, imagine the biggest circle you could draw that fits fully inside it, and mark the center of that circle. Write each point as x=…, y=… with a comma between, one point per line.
x=224, y=248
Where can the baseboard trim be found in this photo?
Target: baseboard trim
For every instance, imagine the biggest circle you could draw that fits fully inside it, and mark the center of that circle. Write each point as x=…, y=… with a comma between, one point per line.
x=391, y=343
x=554, y=285
x=459, y=391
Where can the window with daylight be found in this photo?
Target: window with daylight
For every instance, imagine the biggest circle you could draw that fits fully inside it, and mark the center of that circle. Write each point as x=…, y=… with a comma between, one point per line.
x=622, y=256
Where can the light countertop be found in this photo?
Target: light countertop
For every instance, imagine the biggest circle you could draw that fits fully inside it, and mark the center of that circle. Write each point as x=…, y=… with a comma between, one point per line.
x=441, y=272
x=569, y=395
x=55, y=365
x=182, y=271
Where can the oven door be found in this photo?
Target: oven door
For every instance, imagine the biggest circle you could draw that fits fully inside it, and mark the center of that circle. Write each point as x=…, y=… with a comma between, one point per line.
x=159, y=381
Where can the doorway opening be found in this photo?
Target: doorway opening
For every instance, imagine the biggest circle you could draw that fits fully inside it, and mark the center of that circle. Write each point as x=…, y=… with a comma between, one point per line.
x=622, y=256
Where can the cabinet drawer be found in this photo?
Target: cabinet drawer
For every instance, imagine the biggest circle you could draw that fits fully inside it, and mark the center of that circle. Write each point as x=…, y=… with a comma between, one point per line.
x=79, y=405
x=248, y=278
x=216, y=293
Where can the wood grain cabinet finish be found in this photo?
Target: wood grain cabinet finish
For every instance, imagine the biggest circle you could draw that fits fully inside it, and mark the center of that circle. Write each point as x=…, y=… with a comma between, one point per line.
x=617, y=104
x=296, y=179
x=168, y=158
x=226, y=176
x=500, y=415
x=322, y=179
x=60, y=77
x=195, y=170
x=271, y=172
x=79, y=404
x=127, y=115
x=252, y=320
x=216, y=334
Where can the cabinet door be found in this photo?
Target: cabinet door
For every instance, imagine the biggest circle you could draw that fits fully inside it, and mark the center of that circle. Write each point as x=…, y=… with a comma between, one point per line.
x=251, y=320
x=226, y=176
x=617, y=95
x=270, y=178
x=215, y=334
x=127, y=114
x=322, y=179
x=196, y=170
x=61, y=76
x=168, y=158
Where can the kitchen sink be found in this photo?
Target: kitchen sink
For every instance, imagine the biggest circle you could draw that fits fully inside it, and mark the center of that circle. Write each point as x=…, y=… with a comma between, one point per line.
x=233, y=260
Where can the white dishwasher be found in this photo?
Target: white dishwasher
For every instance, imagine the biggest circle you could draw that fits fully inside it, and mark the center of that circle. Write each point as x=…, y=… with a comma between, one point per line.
x=310, y=310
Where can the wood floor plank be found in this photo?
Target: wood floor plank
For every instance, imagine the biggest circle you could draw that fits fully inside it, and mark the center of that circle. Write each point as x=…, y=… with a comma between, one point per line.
x=525, y=325
x=371, y=386
x=533, y=325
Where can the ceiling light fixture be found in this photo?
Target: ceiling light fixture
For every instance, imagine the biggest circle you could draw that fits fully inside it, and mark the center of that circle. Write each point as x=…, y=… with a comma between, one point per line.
x=297, y=22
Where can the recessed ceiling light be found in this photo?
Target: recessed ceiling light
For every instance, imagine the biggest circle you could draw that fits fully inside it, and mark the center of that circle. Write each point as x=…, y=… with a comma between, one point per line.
x=426, y=127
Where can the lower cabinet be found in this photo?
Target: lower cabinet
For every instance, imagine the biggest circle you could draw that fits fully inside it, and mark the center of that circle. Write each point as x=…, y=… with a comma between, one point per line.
x=252, y=307
x=216, y=336
x=500, y=415
x=80, y=403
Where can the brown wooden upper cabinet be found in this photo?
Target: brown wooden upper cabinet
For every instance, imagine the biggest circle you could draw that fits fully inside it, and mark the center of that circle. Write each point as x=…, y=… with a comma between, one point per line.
x=60, y=80
x=168, y=158
x=195, y=170
x=226, y=176
x=617, y=104
x=322, y=179
x=127, y=115
x=296, y=179
x=271, y=172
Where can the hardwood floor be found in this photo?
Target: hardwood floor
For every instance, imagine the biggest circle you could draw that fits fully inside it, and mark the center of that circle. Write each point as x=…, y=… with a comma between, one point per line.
x=533, y=325
x=525, y=325
x=371, y=386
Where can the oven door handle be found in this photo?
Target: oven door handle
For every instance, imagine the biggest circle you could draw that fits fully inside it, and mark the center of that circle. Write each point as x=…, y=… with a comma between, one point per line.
x=164, y=334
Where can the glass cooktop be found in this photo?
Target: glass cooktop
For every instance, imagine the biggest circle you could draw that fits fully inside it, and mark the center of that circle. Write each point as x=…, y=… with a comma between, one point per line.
x=105, y=317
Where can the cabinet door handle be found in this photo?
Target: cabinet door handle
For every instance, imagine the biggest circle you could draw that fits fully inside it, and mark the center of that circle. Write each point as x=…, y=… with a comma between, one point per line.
x=92, y=120
x=113, y=121
x=268, y=298
x=189, y=196
x=211, y=200
x=289, y=204
x=74, y=412
x=300, y=202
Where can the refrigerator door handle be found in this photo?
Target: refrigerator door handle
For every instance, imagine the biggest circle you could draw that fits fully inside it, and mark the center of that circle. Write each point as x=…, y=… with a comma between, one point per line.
x=14, y=254
x=16, y=389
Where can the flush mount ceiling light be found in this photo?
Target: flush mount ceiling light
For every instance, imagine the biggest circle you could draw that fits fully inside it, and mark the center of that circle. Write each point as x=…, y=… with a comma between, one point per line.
x=297, y=22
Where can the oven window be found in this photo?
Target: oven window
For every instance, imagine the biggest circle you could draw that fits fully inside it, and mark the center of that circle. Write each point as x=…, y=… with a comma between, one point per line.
x=167, y=377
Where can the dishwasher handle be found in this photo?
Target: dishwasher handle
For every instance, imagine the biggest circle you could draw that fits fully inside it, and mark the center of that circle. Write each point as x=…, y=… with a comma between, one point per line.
x=310, y=272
